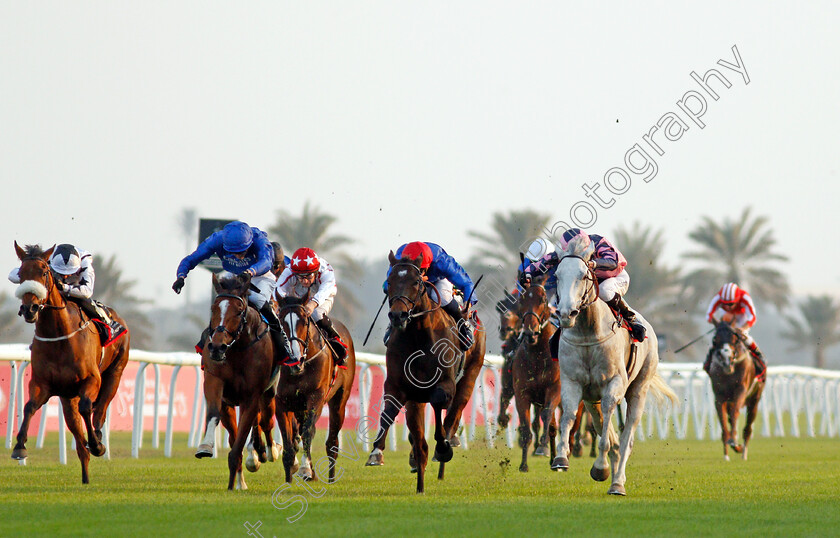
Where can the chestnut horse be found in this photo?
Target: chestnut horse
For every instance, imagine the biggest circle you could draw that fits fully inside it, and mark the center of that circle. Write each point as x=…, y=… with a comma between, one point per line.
x=509, y=335
x=732, y=373
x=424, y=364
x=237, y=359
x=304, y=389
x=68, y=360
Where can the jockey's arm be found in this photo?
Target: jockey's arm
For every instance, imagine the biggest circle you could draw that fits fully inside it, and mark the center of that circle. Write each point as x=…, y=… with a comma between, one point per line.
x=14, y=276
x=206, y=249
x=710, y=311
x=327, y=287
x=83, y=289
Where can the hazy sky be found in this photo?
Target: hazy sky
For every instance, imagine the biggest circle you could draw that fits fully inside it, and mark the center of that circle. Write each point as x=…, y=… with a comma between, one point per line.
x=409, y=121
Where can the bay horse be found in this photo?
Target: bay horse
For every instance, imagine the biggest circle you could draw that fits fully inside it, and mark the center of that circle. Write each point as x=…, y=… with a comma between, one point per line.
x=305, y=389
x=68, y=359
x=509, y=335
x=424, y=364
x=734, y=384
x=596, y=366
x=237, y=360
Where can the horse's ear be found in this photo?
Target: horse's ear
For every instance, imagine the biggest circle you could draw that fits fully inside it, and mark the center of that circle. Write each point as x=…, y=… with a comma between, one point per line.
x=216, y=285
x=20, y=252
x=540, y=279
x=391, y=258
x=46, y=255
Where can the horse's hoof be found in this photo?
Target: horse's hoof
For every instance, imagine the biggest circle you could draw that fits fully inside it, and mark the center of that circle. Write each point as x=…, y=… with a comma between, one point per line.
x=523, y=468
x=617, y=489
x=577, y=451
x=97, y=450
x=455, y=442
x=599, y=474
x=375, y=460
x=304, y=473
x=726, y=457
x=204, y=451
x=274, y=453
x=541, y=451
x=560, y=463
x=252, y=463
x=19, y=454
x=445, y=455
x=295, y=465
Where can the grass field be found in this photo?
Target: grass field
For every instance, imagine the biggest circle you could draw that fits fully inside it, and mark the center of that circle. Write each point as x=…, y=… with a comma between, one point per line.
x=788, y=487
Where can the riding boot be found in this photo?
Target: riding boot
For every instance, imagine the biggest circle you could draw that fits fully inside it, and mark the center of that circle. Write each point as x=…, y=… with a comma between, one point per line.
x=205, y=334
x=283, y=350
x=337, y=345
x=387, y=334
x=110, y=329
x=758, y=360
x=617, y=304
x=554, y=345
x=465, y=333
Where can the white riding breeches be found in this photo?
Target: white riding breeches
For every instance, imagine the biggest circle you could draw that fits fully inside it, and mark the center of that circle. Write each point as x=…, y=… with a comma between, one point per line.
x=619, y=284
x=265, y=283
x=442, y=288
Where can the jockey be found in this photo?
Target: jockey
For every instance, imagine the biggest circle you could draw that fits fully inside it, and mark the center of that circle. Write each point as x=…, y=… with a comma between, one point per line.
x=242, y=249
x=523, y=277
x=608, y=265
x=445, y=274
x=73, y=274
x=280, y=260
x=310, y=277
x=737, y=305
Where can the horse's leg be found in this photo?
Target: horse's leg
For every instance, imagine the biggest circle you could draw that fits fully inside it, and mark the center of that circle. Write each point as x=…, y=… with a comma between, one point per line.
x=108, y=389
x=415, y=414
x=255, y=449
x=723, y=417
x=593, y=434
x=38, y=396
x=573, y=435
x=389, y=414
x=461, y=395
x=752, y=411
x=551, y=401
x=734, y=413
x=70, y=408
x=247, y=418
x=307, y=433
x=267, y=427
x=535, y=427
x=635, y=399
x=570, y=396
x=213, y=395
x=336, y=405
x=87, y=395
x=285, y=422
x=506, y=394
x=523, y=408
x=608, y=446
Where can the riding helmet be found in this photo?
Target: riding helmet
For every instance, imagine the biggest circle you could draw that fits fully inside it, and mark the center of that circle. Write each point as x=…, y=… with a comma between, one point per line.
x=237, y=237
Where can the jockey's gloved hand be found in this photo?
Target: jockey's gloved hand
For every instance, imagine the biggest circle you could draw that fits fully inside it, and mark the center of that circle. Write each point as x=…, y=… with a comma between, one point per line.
x=524, y=279
x=62, y=287
x=178, y=285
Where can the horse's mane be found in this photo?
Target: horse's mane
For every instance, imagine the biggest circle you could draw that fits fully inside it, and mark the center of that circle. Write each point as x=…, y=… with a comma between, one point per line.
x=230, y=283
x=33, y=251
x=577, y=247
x=290, y=301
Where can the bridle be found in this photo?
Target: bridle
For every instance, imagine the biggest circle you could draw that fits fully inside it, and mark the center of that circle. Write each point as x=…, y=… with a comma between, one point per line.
x=241, y=325
x=590, y=276
x=293, y=337
x=739, y=355
x=412, y=303
x=541, y=323
x=51, y=280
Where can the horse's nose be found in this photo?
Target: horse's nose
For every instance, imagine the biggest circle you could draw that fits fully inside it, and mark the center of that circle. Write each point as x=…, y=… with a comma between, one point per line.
x=573, y=314
x=398, y=319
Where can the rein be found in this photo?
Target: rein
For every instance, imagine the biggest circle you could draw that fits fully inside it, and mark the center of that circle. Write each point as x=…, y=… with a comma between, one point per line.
x=235, y=334
x=294, y=337
x=411, y=304
x=541, y=324
x=591, y=277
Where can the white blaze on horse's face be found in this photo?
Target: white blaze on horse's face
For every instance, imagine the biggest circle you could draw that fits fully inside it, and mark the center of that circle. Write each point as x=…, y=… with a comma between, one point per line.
x=571, y=286
x=726, y=354
x=297, y=351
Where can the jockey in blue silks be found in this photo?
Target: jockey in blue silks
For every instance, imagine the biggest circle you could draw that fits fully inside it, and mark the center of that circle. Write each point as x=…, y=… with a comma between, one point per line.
x=445, y=274
x=243, y=250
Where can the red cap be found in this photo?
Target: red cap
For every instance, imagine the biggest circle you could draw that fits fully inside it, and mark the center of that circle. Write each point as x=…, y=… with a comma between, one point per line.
x=418, y=249
x=304, y=260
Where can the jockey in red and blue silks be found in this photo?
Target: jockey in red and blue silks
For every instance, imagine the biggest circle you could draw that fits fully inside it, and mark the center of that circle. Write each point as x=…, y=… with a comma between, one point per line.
x=243, y=250
x=445, y=274
x=608, y=264
x=739, y=311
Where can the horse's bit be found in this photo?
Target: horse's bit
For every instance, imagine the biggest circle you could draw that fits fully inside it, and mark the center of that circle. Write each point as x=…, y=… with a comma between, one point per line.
x=411, y=304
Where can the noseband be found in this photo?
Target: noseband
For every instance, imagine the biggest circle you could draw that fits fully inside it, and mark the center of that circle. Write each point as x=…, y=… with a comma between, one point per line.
x=541, y=323
x=51, y=281
x=590, y=276
x=412, y=303
x=293, y=337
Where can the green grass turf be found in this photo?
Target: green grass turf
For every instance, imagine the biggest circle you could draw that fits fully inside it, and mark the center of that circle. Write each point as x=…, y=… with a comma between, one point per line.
x=788, y=487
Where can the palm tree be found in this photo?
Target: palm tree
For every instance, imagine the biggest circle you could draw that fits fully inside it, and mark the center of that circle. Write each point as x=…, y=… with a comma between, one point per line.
x=738, y=251
x=113, y=290
x=821, y=327
x=655, y=289
x=311, y=229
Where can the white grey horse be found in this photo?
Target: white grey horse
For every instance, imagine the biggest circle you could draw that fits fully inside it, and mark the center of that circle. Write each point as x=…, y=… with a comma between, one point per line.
x=593, y=353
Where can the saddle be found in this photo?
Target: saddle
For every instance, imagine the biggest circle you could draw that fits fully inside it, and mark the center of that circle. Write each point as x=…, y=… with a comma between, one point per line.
x=106, y=336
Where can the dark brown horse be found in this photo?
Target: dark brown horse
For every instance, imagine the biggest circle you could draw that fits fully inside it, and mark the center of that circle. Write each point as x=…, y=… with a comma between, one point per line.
x=68, y=360
x=509, y=335
x=238, y=360
x=304, y=389
x=424, y=364
x=733, y=381
x=536, y=378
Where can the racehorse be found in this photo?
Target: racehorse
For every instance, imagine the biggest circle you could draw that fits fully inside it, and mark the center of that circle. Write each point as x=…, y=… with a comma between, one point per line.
x=424, y=364
x=237, y=359
x=304, y=389
x=732, y=373
x=597, y=365
x=508, y=334
x=68, y=359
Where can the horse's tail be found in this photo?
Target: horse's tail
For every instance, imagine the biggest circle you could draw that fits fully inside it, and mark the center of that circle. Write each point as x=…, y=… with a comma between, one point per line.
x=660, y=390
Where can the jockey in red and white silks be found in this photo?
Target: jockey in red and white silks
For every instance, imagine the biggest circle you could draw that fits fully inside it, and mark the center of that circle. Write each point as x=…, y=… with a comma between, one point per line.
x=311, y=278
x=739, y=311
